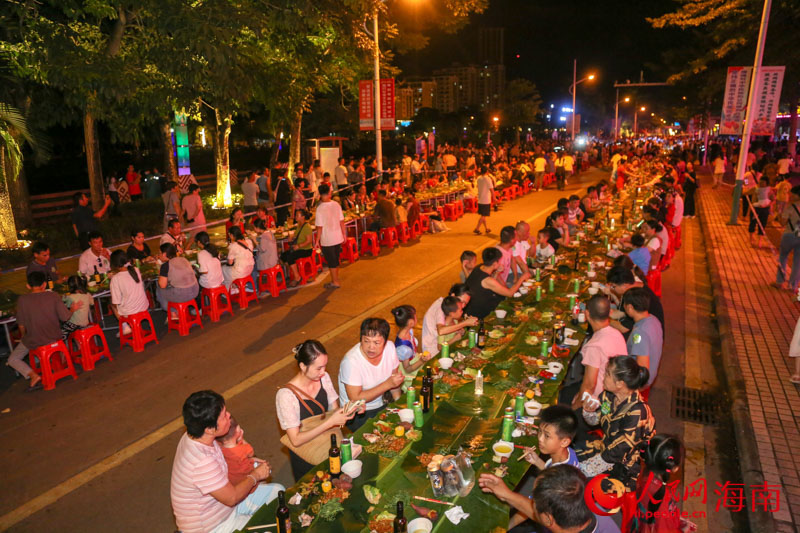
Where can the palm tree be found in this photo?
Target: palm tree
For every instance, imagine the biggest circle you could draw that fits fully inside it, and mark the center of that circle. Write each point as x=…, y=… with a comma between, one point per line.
x=13, y=131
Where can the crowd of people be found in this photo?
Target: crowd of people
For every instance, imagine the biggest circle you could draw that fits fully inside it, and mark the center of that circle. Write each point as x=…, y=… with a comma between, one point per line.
x=607, y=384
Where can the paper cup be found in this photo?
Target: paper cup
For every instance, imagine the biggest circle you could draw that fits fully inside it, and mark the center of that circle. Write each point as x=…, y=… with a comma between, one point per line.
x=445, y=362
x=406, y=415
x=500, y=313
x=505, y=448
x=533, y=408
x=353, y=468
x=420, y=525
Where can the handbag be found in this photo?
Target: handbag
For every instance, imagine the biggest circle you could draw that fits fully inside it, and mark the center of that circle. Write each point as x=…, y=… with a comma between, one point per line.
x=314, y=451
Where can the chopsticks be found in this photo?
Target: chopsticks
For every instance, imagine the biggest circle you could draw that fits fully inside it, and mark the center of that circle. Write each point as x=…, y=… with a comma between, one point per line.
x=519, y=447
x=432, y=500
x=253, y=528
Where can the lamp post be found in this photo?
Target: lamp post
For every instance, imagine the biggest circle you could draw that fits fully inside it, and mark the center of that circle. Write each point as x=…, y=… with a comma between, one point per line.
x=573, y=90
x=495, y=121
x=616, y=115
x=636, y=120
x=376, y=94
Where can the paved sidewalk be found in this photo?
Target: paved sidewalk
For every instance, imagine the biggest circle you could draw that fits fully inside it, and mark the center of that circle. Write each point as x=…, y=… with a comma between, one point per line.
x=761, y=321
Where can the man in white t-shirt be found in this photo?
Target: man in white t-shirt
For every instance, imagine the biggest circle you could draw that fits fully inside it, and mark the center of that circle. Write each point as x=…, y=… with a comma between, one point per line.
x=95, y=259
x=340, y=174
x=331, y=232
x=369, y=370
x=522, y=247
x=433, y=323
x=605, y=343
x=539, y=169
x=203, y=499
x=485, y=185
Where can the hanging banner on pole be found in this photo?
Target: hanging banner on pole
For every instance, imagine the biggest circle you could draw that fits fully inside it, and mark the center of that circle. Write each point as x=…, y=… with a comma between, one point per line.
x=737, y=86
x=366, y=106
x=768, y=95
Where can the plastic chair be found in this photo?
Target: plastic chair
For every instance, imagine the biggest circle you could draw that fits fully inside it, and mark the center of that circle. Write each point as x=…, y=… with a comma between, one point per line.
x=426, y=223
x=349, y=250
x=52, y=362
x=269, y=278
x=449, y=212
x=470, y=205
x=138, y=336
x=307, y=269
x=389, y=237
x=219, y=302
x=416, y=229
x=185, y=319
x=369, y=243
x=244, y=297
x=88, y=352
x=459, y=206
x=404, y=233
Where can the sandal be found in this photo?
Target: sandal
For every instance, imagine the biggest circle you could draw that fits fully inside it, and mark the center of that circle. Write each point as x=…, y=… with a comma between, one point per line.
x=332, y=286
x=476, y=231
x=795, y=379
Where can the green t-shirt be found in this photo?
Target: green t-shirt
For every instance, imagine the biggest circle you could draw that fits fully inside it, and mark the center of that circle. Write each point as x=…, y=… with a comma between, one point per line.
x=304, y=233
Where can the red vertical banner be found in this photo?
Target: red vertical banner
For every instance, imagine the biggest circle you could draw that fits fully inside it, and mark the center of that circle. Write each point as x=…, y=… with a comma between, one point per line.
x=366, y=107
x=387, y=104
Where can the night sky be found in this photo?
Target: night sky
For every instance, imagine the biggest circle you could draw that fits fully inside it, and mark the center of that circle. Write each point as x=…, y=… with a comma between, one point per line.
x=608, y=37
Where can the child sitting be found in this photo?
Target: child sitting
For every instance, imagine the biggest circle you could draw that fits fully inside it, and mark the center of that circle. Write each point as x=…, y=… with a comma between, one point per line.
x=557, y=427
x=469, y=261
x=544, y=250
x=451, y=307
x=238, y=453
x=657, y=509
x=77, y=293
x=640, y=255
x=405, y=316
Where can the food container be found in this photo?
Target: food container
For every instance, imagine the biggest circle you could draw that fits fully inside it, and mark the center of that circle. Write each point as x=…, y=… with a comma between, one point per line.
x=533, y=408
x=500, y=313
x=445, y=363
x=353, y=468
x=593, y=290
x=420, y=525
x=503, y=448
x=406, y=415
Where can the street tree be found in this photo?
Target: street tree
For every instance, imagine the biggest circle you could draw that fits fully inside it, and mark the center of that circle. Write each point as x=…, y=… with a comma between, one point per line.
x=523, y=105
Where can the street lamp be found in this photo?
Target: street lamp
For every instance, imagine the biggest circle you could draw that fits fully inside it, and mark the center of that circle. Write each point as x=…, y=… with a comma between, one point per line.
x=572, y=89
x=636, y=119
x=616, y=115
x=495, y=121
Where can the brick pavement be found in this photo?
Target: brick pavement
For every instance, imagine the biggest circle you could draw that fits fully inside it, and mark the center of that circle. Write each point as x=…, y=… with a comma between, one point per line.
x=762, y=320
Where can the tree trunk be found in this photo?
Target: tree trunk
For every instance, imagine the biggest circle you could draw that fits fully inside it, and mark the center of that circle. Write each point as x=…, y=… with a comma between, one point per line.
x=222, y=133
x=296, y=143
x=8, y=230
x=168, y=148
x=20, y=198
x=793, y=102
x=273, y=157
x=93, y=165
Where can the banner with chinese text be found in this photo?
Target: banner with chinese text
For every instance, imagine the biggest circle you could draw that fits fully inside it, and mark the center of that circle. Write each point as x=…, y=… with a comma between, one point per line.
x=737, y=86
x=768, y=95
x=366, y=107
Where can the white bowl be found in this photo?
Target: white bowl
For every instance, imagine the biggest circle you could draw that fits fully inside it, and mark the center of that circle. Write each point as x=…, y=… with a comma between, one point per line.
x=523, y=290
x=555, y=367
x=591, y=274
x=517, y=294
x=528, y=283
x=596, y=284
x=510, y=446
x=353, y=468
x=500, y=313
x=593, y=290
x=533, y=408
x=445, y=362
x=406, y=415
x=420, y=525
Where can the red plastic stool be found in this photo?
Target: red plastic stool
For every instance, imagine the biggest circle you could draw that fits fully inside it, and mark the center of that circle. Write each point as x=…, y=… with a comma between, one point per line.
x=404, y=233
x=470, y=205
x=307, y=269
x=269, y=278
x=138, y=336
x=459, y=205
x=349, y=250
x=369, y=243
x=88, y=352
x=51, y=370
x=426, y=223
x=449, y=212
x=319, y=260
x=416, y=229
x=185, y=319
x=389, y=237
x=244, y=297
x=654, y=281
x=508, y=194
x=219, y=302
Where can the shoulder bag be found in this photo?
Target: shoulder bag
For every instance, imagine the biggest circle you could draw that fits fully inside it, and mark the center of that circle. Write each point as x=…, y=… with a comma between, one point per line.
x=314, y=451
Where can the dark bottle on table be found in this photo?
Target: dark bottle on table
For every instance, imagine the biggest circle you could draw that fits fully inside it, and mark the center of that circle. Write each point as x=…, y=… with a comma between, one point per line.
x=425, y=394
x=96, y=275
x=429, y=377
x=400, y=522
x=282, y=515
x=335, y=458
x=481, y=335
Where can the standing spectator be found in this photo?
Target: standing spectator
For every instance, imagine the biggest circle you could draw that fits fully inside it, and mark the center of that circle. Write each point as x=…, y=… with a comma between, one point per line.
x=340, y=174
x=39, y=317
x=331, y=232
x=790, y=242
x=264, y=183
x=282, y=197
x=539, y=168
x=134, y=183
x=203, y=499
x=719, y=169
x=84, y=220
x=192, y=205
x=764, y=195
x=44, y=262
x=176, y=280
x=113, y=193
x=94, y=260
x=250, y=192
x=605, y=343
x=784, y=166
x=128, y=296
x=485, y=199
x=690, y=186
x=172, y=203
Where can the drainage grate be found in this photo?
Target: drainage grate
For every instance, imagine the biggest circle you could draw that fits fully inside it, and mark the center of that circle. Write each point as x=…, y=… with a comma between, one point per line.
x=695, y=405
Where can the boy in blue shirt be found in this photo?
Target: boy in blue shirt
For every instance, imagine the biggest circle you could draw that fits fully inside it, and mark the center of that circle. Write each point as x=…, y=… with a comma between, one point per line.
x=640, y=255
x=557, y=427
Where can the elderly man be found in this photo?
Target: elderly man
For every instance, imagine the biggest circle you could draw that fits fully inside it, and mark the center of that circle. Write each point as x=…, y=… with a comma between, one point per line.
x=203, y=499
x=95, y=260
x=369, y=370
x=522, y=247
x=174, y=235
x=605, y=343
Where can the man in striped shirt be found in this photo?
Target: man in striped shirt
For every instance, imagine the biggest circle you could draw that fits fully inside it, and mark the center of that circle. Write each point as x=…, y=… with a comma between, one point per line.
x=203, y=499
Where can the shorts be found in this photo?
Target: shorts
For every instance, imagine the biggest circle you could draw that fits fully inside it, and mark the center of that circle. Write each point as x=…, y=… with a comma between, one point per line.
x=484, y=210
x=331, y=255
